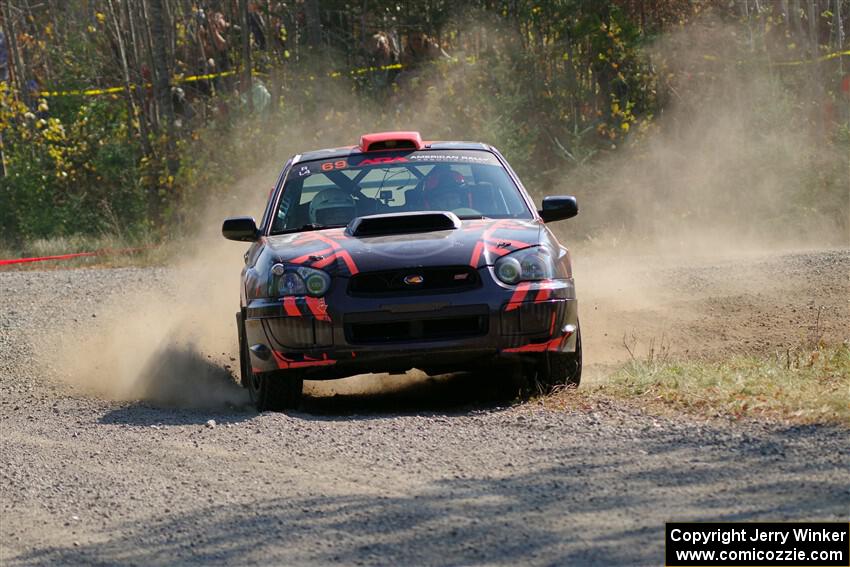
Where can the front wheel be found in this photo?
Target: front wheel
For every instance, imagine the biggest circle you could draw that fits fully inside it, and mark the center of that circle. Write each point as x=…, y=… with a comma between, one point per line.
x=269, y=391
x=560, y=368
x=275, y=391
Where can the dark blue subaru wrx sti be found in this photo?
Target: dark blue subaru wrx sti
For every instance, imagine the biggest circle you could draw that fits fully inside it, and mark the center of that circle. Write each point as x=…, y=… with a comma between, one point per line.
x=398, y=253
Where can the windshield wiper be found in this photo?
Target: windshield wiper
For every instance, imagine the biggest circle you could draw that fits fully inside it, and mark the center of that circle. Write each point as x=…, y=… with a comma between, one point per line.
x=309, y=227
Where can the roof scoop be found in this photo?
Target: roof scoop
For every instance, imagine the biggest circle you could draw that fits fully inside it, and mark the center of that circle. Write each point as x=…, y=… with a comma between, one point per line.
x=383, y=141
x=403, y=223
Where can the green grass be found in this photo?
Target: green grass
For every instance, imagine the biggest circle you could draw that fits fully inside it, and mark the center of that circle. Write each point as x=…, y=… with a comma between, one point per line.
x=805, y=385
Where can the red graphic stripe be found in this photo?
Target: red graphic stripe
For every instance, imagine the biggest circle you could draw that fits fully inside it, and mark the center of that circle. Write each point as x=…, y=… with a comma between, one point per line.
x=476, y=254
x=543, y=295
x=553, y=344
x=496, y=250
x=325, y=262
x=518, y=296
x=318, y=308
x=342, y=255
x=284, y=363
x=290, y=307
x=305, y=257
x=349, y=261
x=332, y=243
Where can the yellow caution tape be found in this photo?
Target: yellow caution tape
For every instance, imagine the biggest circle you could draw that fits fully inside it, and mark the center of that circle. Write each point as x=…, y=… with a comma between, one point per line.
x=363, y=71
x=113, y=90
x=789, y=63
x=815, y=60
x=210, y=76
x=88, y=92
x=207, y=77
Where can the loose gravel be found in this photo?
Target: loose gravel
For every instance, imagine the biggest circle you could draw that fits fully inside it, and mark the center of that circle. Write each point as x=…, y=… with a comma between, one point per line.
x=423, y=473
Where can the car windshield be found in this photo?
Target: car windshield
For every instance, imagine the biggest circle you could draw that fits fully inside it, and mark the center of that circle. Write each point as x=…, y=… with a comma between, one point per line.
x=329, y=193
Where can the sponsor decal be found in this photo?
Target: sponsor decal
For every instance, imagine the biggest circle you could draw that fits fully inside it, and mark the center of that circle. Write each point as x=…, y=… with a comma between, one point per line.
x=383, y=160
x=457, y=158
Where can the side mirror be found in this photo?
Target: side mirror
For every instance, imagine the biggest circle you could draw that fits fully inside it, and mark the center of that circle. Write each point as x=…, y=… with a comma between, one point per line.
x=243, y=229
x=558, y=208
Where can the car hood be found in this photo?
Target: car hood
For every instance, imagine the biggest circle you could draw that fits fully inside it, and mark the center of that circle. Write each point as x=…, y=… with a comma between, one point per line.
x=477, y=243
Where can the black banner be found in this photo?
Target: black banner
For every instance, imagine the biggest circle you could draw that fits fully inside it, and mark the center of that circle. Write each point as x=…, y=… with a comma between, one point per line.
x=806, y=544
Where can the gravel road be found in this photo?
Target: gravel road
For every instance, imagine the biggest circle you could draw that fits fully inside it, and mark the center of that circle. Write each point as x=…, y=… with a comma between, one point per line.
x=416, y=471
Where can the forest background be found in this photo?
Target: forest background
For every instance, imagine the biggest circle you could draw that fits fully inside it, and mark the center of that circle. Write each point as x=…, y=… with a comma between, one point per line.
x=125, y=119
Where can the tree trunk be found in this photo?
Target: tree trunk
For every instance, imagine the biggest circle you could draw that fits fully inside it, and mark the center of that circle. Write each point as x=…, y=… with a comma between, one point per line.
x=246, y=55
x=17, y=73
x=813, y=28
x=125, y=71
x=162, y=83
x=144, y=113
x=795, y=21
x=839, y=33
x=312, y=15
x=147, y=36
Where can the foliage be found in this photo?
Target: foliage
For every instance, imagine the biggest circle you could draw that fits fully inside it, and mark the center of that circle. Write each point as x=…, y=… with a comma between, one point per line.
x=559, y=86
x=66, y=177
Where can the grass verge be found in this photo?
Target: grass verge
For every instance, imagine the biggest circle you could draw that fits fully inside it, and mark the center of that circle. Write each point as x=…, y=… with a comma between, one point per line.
x=801, y=385
x=149, y=252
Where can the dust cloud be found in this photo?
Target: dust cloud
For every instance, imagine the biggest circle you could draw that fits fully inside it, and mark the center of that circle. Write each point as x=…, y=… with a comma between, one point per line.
x=726, y=169
x=742, y=159
x=739, y=166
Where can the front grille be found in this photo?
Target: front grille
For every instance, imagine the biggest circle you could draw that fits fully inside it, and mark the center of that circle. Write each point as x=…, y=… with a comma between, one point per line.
x=425, y=329
x=299, y=332
x=434, y=280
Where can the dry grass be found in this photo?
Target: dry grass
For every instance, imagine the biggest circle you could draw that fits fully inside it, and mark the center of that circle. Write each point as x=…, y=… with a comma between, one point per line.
x=806, y=384
x=145, y=252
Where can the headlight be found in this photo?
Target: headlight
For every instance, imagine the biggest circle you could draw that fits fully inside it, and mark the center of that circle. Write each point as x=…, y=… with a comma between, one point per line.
x=298, y=280
x=528, y=264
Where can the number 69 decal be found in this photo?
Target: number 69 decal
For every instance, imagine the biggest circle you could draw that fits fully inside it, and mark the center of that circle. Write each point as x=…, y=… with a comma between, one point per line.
x=330, y=166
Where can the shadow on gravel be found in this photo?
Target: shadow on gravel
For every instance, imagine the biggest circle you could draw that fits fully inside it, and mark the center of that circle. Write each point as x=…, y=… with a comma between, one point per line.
x=364, y=397
x=457, y=393
x=143, y=414
x=588, y=505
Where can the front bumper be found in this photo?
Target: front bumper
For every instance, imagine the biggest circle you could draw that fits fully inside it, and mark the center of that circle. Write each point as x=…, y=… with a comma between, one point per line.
x=341, y=335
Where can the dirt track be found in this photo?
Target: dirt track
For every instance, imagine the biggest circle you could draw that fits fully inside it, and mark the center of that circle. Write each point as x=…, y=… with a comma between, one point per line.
x=419, y=471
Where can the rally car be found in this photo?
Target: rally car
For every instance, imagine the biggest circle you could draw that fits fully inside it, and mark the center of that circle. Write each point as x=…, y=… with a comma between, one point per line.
x=399, y=253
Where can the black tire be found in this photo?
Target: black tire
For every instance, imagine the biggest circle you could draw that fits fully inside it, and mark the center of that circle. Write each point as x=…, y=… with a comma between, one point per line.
x=511, y=382
x=244, y=359
x=560, y=369
x=269, y=391
x=276, y=391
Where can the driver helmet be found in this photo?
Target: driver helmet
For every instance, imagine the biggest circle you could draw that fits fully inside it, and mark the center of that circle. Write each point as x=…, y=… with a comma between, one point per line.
x=445, y=189
x=332, y=206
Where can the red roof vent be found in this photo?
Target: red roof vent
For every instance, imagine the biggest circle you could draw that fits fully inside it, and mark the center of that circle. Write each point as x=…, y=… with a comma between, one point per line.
x=390, y=141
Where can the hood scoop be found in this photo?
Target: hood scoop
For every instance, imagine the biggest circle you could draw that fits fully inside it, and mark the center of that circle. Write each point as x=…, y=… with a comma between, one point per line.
x=402, y=223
